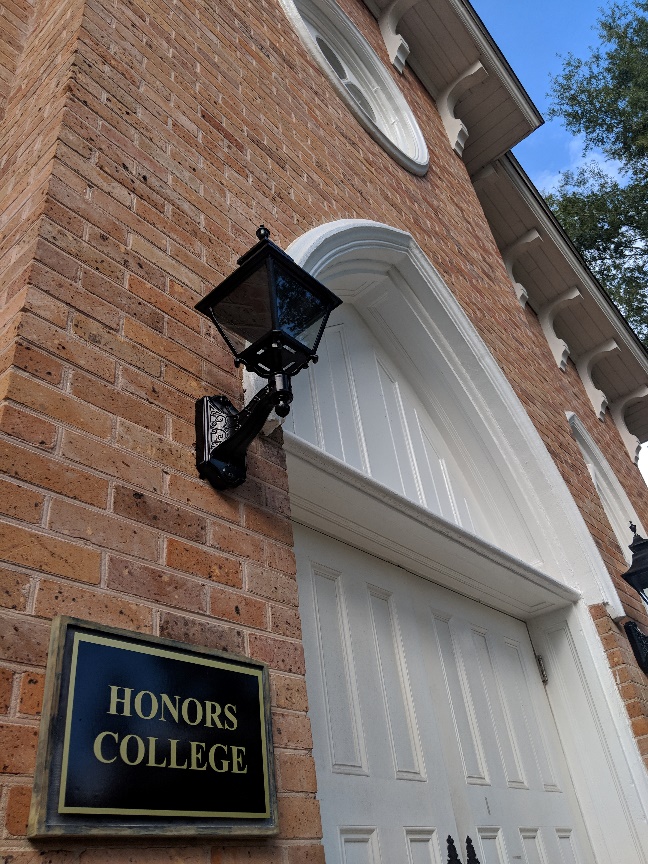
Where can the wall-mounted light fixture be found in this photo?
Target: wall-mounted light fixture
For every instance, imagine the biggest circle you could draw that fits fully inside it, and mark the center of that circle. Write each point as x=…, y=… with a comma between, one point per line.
x=271, y=314
x=637, y=578
x=637, y=575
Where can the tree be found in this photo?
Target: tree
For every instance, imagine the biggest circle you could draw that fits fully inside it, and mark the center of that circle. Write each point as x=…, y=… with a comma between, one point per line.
x=605, y=99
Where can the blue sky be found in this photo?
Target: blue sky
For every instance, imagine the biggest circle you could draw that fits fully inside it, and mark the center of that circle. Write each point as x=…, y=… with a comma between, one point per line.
x=533, y=36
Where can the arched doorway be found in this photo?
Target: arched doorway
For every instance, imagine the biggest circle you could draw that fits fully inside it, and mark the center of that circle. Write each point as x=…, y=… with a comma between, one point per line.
x=428, y=712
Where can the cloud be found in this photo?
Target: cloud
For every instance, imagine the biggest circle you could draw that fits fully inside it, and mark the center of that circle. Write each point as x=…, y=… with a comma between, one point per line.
x=574, y=158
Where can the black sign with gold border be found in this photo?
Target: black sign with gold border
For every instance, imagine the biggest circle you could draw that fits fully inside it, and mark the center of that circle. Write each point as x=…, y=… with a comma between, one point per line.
x=147, y=736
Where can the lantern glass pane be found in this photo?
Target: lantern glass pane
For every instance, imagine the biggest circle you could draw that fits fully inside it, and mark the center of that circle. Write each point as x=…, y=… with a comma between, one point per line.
x=245, y=311
x=299, y=311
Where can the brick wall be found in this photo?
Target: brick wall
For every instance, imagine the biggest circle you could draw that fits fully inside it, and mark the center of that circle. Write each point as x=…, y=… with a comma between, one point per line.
x=15, y=21
x=137, y=162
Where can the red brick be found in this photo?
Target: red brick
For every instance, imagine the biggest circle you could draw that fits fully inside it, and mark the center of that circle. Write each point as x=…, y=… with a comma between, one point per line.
x=32, y=685
x=123, y=299
x=288, y=692
x=285, y=621
x=58, y=406
x=280, y=558
x=123, y=349
x=155, y=447
x=202, y=496
x=117, y=403
x=160, y=394
x=302, y=853
x=49, y=554
x=279, y=654
x=272, y=585
x=165, y=303
x=199, y=632
x=102, y=529
x=162, y=347
x=132, y=854
x=14, y=589
x=201, y=562
x=299, y=817
x=159, y=513
x=29, y=359
x=63, y=598
x=18, y=803
x=296, y=772
x=27, y=427
x=236, y=541
x=17, y=748
x=159, y=586
x=269, y=524
x=238, y=608
x=66, y=347
x=20, y=503
x=53, y=474
x=6, y=688
x=114, y=461
x=247, y=855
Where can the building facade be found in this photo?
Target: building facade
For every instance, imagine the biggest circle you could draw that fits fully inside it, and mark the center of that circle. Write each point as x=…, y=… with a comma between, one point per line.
x=447, y=500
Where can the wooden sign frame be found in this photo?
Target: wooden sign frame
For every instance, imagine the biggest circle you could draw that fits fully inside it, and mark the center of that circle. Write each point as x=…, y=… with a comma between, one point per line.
x=81, y=789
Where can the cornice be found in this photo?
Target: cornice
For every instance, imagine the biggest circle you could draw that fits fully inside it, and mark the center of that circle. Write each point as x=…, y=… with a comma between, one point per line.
x=567, y=290
x=487, y=133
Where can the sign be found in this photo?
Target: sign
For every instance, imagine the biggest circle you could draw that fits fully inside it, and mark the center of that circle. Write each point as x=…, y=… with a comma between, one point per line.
x=145, y=735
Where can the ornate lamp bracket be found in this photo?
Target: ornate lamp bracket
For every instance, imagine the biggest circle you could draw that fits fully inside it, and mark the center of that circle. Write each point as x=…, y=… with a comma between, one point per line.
x=223, y=434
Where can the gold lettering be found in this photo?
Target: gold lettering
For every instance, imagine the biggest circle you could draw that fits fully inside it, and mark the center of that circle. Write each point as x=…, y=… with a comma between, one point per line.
x=212, y=712
x=174, y=710
x=151, y=755
x=195, y=755
x=123, y=750
x=230, y=711
x=173, y=757
x=212, y=759
x=138, y=705
x=97, y=746
x=114, y=699
x=185, y=711
x=237, y=760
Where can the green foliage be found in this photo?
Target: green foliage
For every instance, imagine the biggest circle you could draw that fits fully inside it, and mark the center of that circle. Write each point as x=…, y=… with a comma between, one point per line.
x=605, y=98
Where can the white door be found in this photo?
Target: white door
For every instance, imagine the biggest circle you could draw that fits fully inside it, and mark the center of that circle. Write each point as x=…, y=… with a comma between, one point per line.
x=429, y=719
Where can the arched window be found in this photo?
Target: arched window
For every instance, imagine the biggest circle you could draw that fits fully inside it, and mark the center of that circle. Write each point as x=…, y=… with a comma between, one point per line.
x=360, y=78
x=616, y=503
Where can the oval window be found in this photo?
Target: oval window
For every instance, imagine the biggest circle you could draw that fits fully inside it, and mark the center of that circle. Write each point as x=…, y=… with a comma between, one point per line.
x=360, y=78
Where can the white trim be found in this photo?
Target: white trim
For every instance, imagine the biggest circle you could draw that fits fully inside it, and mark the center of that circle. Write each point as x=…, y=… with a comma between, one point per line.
x=455, y=128
x=407, y=145
x=397, y=47
x=350, y=505
x=618, y=410
x=349, y=254
x=546, y=317
x=585, y=365
x=614, y=499
x=510, y=256
x=342, y=254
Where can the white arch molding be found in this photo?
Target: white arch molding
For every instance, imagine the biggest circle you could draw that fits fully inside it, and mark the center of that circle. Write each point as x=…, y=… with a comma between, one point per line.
x=362, y=260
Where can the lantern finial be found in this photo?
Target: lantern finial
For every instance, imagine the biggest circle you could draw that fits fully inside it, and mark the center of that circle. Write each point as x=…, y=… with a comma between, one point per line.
x=262, y=232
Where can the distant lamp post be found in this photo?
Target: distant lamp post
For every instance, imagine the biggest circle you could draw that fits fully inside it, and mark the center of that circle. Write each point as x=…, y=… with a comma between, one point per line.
x=637, y=575
x=271, y=314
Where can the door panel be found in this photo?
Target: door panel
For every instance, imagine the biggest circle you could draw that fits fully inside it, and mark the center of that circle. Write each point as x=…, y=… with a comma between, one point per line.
x=429, y=718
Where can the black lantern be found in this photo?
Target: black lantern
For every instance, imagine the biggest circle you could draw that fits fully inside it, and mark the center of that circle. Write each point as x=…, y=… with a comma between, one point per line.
x=637, y=575
x=271, y=313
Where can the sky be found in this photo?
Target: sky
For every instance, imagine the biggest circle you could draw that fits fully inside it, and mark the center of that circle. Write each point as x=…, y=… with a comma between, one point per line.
x=533, y=37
